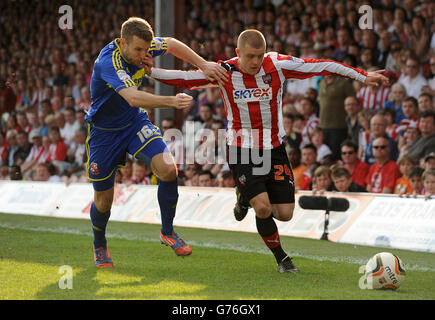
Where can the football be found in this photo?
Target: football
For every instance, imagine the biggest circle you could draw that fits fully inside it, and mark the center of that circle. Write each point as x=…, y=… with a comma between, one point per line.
x=384, y=271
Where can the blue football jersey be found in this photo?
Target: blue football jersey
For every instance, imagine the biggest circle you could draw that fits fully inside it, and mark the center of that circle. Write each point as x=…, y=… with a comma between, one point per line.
x=111, y=74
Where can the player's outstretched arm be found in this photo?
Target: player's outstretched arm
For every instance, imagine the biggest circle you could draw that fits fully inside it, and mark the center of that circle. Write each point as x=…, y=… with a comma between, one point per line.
x=212, y=70
x=189, y=80
x=138, y=98
x=376, y=78
x=302, y=68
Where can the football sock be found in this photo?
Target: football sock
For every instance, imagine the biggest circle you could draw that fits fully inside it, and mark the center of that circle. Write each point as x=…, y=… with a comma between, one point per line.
x=99, y=222
x=167, y=195
x=269, y=233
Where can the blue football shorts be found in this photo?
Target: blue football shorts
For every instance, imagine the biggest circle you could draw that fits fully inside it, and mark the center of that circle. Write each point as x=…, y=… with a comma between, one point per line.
x=106, y=149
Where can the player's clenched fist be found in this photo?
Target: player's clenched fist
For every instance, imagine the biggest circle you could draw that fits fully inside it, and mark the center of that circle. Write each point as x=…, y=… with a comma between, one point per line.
x=182, y=101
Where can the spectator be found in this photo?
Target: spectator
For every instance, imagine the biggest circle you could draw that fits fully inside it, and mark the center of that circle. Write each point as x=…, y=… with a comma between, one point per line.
x=352, y=108
x=309, y=160
x=429, y=161
x=35, y=155
x=384, y=172
x=416, y=180
x=58, y=149
x=3, y=149
x=429, y=183
x=24, y=148
x=44, y=172
x=225, y=179
x=4, y=173
x=364, y=137
x=206, y=179
x=173, y=140
x=127, y=172
x=298, y=168
x=378, y=127
x=318, y=139
x=384, y=45
x=322, y=180
x=190, y=175
x=430, y=88
x=403, y=185
x=344, y=40
x=343, y=180
x=141, y=173
x=15, y=173
x=23, y=123
x=76, y=152
x=332, y=93
x=373, y=98
x=307, y=107
x=413, y=80
x=71, y=125
x=410, y=111
x=293, y=139
x=392, y=127
x=412, y=134
x=33, y=120
x=7, y=97
x=425, y=102
x=426, y=143
x=357, y=168
x=397, y=96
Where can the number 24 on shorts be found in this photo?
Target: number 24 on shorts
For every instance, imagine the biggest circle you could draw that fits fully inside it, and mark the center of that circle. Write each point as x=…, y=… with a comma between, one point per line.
x=280, y=169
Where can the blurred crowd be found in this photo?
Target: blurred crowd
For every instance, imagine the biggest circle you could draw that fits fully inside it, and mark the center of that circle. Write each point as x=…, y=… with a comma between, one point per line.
x=341, y=135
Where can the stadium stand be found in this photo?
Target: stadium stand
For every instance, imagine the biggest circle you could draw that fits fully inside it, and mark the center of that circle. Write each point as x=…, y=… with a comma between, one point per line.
x=45, y=72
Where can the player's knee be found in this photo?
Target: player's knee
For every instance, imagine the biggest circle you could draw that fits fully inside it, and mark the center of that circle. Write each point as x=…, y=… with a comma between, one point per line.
x=284, y=212
x=263, y=210
x=286, y=217
x=167, y=173
x=103, y=202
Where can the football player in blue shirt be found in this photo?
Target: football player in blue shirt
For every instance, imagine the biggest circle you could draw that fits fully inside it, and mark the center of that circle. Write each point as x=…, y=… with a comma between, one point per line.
x=117, y=124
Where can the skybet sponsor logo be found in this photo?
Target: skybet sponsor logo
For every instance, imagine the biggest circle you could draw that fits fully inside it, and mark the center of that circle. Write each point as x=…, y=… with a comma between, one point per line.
x=250, y=95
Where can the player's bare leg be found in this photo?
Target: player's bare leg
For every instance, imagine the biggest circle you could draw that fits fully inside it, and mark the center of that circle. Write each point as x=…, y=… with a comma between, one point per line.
x=283, y=211
x=268, y=231
x=164, y=167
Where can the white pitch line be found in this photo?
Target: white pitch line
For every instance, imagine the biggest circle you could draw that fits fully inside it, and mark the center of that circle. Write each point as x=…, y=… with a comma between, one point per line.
x=349, y=260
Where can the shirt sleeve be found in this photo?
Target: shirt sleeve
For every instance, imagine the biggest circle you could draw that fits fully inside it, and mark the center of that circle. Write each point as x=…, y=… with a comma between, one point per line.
x=190, y=80
x=113, y=73
x=302, y=68
x=158, y=47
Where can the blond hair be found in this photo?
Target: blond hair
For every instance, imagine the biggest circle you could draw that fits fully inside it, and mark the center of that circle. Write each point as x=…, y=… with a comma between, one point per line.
x=251, y=37
x=138, y=27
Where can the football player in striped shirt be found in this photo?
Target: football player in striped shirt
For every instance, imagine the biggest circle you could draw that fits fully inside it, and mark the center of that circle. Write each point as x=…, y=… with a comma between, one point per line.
x=117, y=124
x=253, y=105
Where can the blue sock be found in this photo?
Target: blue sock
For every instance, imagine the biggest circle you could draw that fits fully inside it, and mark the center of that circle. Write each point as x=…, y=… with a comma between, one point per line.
x=167, y=195
x=99, y=221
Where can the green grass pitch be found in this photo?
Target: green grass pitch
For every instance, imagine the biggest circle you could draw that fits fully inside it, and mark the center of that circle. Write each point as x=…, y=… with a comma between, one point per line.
x=224, y=265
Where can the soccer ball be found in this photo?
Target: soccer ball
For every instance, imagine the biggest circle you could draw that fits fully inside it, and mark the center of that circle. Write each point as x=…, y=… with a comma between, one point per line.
x=384, y=271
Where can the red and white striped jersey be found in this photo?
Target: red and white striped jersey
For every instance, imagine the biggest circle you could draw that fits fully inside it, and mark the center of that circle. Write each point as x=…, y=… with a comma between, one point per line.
x=253, y=103
x=373, y=99
x=311, y=123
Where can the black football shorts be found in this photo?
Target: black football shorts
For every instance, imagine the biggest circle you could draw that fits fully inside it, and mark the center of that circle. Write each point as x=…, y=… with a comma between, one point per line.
x=258, y=171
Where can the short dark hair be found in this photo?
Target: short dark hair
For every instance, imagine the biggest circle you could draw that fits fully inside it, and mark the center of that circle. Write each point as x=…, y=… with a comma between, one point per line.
x=310, y=146
x=349, y=143
x=389, y=111
x=339, y=171
x=416, y=172
x=427, y=114
x=413, y=100
x=203, y=172
x=138, y=27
